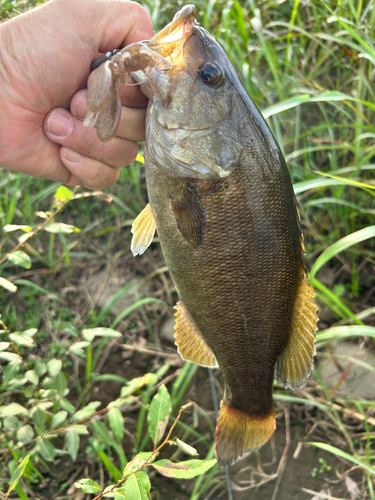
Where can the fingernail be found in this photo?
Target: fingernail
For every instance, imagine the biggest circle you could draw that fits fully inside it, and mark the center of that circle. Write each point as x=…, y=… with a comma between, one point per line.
x=72, y=156
x=59, y=124
x=79, y=107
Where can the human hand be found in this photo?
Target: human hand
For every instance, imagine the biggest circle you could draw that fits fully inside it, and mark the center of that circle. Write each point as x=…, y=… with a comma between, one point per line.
x=46, y=61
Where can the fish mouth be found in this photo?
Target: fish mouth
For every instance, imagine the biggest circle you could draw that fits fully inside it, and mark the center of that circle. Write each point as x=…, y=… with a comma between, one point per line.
x=169, y=42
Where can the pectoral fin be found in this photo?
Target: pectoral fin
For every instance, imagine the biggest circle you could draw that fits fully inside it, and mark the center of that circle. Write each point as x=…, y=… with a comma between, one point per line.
x=143, y=230
x=295, y=363
x=189, y=214
x=189, y=341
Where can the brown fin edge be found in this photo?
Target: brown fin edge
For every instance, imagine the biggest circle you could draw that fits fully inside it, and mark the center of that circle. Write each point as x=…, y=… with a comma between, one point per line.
x=296, y=361
x=238, y=433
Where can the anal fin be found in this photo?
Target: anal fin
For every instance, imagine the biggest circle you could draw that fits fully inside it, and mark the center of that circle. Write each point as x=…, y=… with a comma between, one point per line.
x=143, y=230
x=295, y=363
x=189, y=341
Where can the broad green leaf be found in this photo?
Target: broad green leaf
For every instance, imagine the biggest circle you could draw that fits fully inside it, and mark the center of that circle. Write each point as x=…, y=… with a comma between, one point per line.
x=13, y=227
x=20, y=339
x=186, y=447
x=72, y=439
x=80, y=428
x=121, y=401
x=119, y=495
x=30, y=332
x=63, y=194
x=61, y=228
x=60, y=383
x=84, y=413
x=44, y=405
x=90, y=333
x=7, y=285
x=65, y=405
x=77, y=348
x=4, y=346
x=88, y=486
x=137, y=462
x=32, y=377
x=25, y=434
x=20, y=258
x=47, y=450
x=18, y=473
x=136, y=383
x=11, y=423
x=40, y=368
x=10, y=356
x=101, y=432
x=183, y=470
x=58, y=419
x=158, y=414
x=12, y=409
x=54, y=367
x=137, y=487
x=11, y=371
x=341, y=245
x=89, y=410
x=108, y=491
x=116, y=421
x=39, y=420
x=343, y=454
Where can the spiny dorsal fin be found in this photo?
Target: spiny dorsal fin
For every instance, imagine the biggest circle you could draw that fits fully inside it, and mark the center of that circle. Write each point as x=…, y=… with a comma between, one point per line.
x=295, y=363
x=189, y=341
x=143, y=230
x=189, y=214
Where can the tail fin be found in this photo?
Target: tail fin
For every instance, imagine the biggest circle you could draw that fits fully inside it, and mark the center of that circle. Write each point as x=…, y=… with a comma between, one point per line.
x=238, y=433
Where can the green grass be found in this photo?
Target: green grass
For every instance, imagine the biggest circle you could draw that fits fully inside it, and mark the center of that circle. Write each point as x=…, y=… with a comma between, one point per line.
x=309, y=67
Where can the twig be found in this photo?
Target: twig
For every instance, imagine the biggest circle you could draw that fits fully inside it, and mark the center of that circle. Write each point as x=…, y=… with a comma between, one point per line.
x=151, y=352
x=320, y=495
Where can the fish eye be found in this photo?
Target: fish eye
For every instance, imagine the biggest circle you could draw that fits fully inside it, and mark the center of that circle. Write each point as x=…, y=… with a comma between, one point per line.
x=209, y=73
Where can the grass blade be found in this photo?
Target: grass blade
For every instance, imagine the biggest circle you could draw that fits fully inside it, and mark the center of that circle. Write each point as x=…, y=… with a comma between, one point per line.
x=343, y=454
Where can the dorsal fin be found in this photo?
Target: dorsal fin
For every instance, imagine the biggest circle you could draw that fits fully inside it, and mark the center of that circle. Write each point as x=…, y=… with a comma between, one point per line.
x=143, y=230
x=189, y=214
x=295, y=363
x=189, y=341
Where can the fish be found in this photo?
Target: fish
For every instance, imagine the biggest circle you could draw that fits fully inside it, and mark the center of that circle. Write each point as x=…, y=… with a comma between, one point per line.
x=222, y=202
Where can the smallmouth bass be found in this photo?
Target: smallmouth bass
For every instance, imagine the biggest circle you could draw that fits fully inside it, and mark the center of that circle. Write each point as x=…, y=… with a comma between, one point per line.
x=222, y=202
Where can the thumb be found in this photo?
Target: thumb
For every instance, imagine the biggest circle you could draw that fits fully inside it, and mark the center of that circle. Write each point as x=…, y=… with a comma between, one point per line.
x=111, y=24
